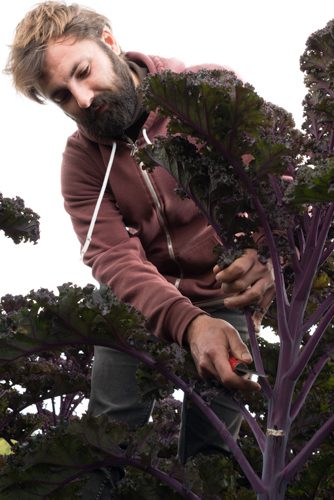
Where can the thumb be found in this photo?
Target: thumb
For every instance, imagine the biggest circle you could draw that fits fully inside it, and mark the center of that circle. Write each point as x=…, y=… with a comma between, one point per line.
x=262, y=308
x=242, y=353
x=257, y=318
x=246, y=356
x=236, y=347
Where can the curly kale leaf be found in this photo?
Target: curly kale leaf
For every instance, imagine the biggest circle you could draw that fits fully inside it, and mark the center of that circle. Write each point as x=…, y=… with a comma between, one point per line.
x=318, y=66
x=226, y=147
x=18, y=222
x=207, y=179
x=43, y=320
x=218, y=109
x=207, y=103
x=313, y=184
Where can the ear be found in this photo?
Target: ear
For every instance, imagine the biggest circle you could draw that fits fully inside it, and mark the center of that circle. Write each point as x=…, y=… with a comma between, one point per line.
x=108, y=38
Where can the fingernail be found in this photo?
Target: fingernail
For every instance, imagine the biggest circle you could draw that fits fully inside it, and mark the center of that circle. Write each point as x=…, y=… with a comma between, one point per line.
x=246, y=357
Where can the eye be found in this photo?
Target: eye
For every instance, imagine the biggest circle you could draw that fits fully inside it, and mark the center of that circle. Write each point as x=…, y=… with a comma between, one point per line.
x=61, y=96
x=84, y=72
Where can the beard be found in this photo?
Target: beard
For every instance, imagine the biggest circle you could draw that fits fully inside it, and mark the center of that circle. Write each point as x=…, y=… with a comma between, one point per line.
x=112, y=111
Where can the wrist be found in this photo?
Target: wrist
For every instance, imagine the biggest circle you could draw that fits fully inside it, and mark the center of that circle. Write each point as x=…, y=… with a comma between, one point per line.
x=193, y=328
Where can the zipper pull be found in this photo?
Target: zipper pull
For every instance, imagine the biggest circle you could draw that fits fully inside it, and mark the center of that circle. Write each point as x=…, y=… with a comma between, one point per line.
x=131, y=144
x=134, y=149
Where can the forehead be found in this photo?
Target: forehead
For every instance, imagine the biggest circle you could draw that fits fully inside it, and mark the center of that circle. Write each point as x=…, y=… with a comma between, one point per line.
x=62, y=57
x=64, y=51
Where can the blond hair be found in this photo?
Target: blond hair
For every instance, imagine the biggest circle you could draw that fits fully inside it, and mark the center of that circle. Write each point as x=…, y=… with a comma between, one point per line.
x=45, y=22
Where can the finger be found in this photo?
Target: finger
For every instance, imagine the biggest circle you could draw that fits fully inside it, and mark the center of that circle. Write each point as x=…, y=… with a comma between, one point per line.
x=256, y=273
x=216, y=269
x=253, y=294
x=216, y=363
x=257, y=318
x=203, y=363
x=239, y=350
x=261, y=311
x=268, y=297
x=241, y=285
x=233, y=347
x=238, y=268
x=206, y=369
x=233, y=381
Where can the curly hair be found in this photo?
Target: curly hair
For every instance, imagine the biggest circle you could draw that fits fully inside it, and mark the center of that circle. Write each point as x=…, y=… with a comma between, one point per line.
x=47, y=21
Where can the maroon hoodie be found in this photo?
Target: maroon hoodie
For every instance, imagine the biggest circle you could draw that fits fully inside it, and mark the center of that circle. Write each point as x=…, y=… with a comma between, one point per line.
x=154, y=249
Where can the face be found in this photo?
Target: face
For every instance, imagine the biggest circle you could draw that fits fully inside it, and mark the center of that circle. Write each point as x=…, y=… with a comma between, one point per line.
x=92, y=84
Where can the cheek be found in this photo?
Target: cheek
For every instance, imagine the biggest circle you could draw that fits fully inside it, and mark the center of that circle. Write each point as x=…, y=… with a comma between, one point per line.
x=71, y=110
x=102, y=78
x=71, y=107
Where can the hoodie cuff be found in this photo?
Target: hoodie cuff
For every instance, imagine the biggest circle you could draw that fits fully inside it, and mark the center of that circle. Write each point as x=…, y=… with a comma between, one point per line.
x=179, y=320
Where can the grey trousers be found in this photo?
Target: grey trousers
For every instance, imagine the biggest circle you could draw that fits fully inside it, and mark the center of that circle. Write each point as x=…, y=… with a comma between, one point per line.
x=114, y=392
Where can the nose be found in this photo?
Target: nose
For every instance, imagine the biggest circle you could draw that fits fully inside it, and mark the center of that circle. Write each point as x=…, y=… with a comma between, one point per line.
x=84, y=96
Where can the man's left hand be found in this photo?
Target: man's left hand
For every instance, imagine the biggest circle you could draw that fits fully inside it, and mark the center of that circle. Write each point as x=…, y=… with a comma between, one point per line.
x=247, y=282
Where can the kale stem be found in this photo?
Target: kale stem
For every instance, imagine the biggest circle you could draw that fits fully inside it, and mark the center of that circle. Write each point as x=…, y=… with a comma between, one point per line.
x=253, y=478
x=257, y=355
x=307, y=351
x=308, y=384
x=298, y=461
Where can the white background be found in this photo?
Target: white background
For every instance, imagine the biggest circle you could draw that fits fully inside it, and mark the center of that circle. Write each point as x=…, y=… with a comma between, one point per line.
x=261, y=40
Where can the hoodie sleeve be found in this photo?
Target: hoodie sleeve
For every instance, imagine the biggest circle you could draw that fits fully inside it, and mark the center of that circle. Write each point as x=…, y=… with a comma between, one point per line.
x=116, y=257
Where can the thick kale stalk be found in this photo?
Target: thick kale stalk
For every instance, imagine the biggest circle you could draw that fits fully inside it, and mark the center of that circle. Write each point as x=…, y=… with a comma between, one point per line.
x=252, y=173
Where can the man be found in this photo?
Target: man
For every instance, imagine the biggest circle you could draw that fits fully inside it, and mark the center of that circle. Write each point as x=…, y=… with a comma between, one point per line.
x=153, y=249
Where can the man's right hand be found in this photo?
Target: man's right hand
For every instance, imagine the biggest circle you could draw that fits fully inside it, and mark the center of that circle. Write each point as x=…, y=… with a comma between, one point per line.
x=212, y=341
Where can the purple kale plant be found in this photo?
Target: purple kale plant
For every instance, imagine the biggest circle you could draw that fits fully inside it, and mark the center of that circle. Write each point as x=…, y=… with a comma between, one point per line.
x=260, y=182
x=263, y=183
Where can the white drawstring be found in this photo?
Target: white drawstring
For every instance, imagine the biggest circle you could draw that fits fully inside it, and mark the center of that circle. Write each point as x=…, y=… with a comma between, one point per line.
x=99, y=200
x=146, y=136
x=98, y=203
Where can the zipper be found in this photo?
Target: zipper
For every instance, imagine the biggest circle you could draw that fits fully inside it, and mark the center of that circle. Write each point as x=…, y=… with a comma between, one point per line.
x=159, y=210
x=133, y=145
